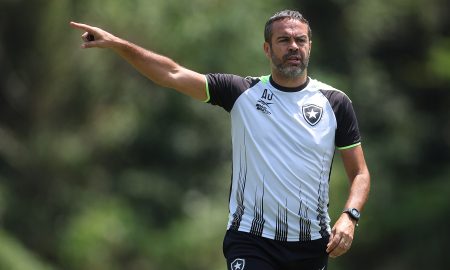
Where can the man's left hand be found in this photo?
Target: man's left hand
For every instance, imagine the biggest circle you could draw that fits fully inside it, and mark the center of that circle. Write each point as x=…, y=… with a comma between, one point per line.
x=341, y=237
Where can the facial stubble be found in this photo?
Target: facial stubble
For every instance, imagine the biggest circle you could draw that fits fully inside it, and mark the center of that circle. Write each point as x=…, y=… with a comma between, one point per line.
x=289, y=71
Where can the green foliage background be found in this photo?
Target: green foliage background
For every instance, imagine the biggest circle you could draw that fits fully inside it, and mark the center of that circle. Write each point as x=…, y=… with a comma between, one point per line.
x=102, y=169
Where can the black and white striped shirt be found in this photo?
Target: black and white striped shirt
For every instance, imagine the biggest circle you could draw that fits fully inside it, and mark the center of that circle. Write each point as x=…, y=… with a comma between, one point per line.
x=284, y=141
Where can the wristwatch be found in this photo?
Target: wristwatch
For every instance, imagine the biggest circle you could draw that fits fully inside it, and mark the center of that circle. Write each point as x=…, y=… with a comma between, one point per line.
x=353, y=213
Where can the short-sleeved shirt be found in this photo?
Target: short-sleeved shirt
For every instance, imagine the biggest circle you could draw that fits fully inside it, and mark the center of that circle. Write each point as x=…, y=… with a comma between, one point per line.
x=283, y=142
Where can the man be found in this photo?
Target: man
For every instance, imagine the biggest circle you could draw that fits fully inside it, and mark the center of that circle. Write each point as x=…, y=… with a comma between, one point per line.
x=285, y=128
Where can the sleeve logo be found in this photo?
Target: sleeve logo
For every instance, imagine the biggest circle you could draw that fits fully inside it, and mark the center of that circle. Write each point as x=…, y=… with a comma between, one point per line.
x=238, y=264
x=312, y=113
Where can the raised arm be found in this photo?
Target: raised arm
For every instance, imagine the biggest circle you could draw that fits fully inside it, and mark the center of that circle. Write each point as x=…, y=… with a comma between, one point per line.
x=343, y=230
x=160, y=69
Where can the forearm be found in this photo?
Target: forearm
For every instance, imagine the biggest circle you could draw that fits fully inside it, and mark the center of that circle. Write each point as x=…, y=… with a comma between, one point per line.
x=359, y=191
x=358, y=175
x=158, y=68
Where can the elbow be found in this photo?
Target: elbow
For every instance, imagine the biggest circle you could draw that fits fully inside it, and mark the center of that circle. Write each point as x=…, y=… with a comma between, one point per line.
x=168, y=79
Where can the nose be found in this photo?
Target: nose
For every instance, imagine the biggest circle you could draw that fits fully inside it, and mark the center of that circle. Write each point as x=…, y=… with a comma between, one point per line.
x=293, y=46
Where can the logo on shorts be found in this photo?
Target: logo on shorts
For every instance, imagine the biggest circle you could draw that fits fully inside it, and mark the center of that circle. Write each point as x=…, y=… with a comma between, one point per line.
x=312, y=113
x=238, y=264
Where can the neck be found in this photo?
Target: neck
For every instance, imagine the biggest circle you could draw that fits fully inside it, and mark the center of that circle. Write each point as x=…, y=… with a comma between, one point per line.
x=289, y=82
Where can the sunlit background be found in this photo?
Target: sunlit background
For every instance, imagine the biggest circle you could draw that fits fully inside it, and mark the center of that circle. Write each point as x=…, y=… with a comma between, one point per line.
x=100, y=169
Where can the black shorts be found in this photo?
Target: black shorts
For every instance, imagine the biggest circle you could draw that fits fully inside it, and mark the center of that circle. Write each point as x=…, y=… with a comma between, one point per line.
x=245, y=251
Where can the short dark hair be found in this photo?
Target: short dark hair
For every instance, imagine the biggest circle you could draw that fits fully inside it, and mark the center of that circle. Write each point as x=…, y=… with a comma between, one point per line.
x=291, y=14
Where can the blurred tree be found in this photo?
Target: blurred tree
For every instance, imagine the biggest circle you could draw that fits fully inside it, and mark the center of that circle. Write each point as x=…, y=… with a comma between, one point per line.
x=14, y=256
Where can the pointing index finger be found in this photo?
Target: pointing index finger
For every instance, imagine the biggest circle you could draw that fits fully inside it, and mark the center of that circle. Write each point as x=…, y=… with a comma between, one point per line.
x=81, y=26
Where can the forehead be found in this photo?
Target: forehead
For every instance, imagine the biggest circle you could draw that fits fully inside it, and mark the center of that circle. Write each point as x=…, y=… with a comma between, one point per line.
x=289, y=27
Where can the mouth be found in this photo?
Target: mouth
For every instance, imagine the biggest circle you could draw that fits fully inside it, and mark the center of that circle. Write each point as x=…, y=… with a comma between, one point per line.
x=294, y=59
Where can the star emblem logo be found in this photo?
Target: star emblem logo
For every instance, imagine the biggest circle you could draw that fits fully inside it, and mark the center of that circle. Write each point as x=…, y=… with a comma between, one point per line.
x=312, y=113
x=238, y=264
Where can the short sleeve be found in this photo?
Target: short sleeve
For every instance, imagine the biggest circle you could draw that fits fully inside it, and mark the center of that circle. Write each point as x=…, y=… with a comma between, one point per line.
x=224, y=89
x=347, y=131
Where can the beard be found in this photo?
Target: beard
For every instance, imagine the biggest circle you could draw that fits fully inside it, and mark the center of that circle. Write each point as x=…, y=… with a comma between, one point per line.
x=287, y=70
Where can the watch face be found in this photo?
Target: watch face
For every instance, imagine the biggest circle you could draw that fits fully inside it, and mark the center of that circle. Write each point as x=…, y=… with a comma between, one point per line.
x=355, y=213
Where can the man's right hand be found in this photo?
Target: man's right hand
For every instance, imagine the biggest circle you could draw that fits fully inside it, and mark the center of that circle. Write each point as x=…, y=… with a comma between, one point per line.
x=95, y=37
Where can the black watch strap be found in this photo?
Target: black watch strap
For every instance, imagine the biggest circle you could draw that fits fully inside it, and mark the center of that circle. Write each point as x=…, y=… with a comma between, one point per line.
x=353, y=213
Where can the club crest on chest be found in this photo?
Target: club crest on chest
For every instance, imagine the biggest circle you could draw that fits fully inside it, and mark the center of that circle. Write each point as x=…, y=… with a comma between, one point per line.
x=312, y=113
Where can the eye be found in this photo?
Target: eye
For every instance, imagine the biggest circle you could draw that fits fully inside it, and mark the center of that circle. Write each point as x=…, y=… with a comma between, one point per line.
x=301, y=40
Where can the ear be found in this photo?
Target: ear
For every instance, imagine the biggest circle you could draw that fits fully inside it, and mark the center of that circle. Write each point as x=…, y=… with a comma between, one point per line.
x=266, y=47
